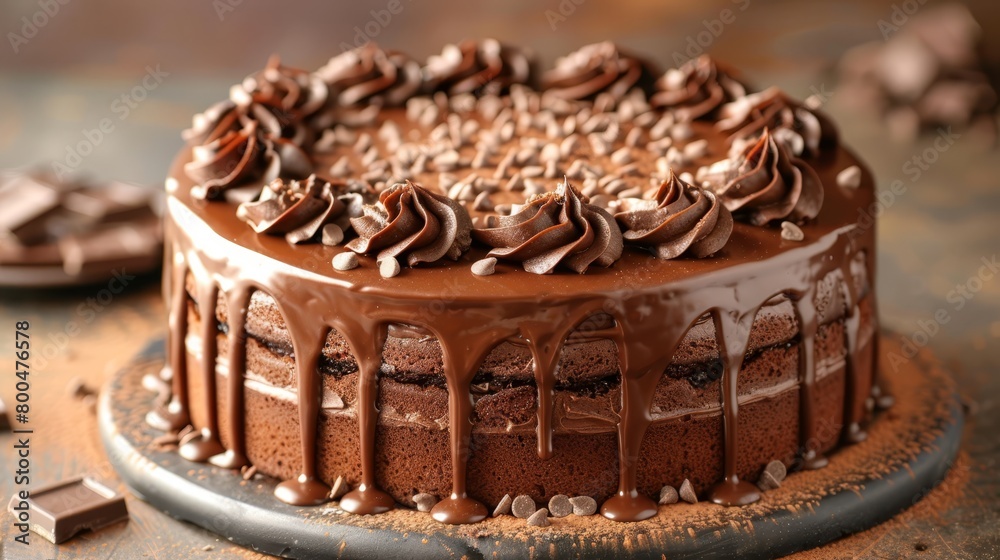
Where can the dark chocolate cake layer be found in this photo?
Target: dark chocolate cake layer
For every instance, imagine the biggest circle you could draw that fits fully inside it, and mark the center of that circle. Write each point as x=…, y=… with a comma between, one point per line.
x=413, y=422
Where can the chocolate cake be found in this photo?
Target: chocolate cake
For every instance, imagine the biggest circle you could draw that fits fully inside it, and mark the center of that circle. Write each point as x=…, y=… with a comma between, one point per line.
x=444, y=285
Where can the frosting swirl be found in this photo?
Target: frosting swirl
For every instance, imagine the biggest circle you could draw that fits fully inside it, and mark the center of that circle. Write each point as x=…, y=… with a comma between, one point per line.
x=368, y=74
x=486, y=66
x=771, y=185
x=240, y=152
x=598, y=68
x=555, y=228
x=290, y=93
x=411, y=221
x=774, y=110
x=299, y=209
x=681, y=220
x=696, y=89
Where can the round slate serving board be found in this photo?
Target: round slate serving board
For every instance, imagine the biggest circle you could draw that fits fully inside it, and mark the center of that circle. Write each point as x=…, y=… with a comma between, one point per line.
x=909, y=450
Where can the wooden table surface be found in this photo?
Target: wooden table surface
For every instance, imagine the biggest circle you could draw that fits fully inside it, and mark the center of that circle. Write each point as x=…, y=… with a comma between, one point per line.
x=932, y=239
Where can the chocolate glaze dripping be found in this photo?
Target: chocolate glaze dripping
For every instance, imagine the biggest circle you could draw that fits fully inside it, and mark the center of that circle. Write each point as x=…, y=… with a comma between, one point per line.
x=636, y=400
x=853, y=397
x=174, y=414
x=462, y=352
x=732, y=328
x=546, y=346
x=805, y=310
x=367, y=499
x=206, y=444
x=307, y=343
x=853, y=431
x=238, y=304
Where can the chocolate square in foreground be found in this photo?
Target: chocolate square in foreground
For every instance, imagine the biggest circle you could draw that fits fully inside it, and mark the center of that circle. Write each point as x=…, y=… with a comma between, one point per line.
x=59, y=511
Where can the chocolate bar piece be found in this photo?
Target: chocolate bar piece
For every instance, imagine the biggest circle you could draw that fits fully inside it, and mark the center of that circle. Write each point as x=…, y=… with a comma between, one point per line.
x=61, y=510
x=23, y=202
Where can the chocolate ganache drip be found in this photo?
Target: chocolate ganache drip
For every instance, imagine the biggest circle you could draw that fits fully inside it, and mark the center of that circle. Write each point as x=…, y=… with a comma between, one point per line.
x=681, y=220
x=370, y=75
x=555, y=228
x=801, y=130
x=599, y=68
x=299, y=209
x=770, y=185
x=696, y=89
x=414, y=222
x=487, y=66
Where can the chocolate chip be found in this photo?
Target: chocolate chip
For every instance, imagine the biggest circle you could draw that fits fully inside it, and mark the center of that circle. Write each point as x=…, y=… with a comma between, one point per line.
x=446, y=161
x=634, y=137
x=560, y=506
x=539, y=519
x=569, y=145
x=687, y=492
x=503, y=508
x=676, y=156
x=850, y=178
x=425, y=502
x=363, y=144
x=633, y=192
x=332, y=235
x=621, y=156
x=550, y=153
x=479, y=161
x=791, y=232
x=668, y=495
x=339, y=489
x=777, y=470
x=533, y=171
x=696, y=149
x=484, y=267
x=598, y=145
x=79, y=389
x=523, y=506
x=533, y=187
x=248, y=472
x=345, y=261
x=681, y=131
x=389, y=267
x=164, y=441
x=515, y=183
x=429, y=116
x=483, y=203
x=768, y=482
x=583, y=505
x=551, y=170
x=370, y=157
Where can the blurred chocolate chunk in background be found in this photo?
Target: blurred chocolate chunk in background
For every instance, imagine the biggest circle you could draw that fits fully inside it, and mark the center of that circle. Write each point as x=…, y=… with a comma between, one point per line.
x=928, y=73
x=55, y=231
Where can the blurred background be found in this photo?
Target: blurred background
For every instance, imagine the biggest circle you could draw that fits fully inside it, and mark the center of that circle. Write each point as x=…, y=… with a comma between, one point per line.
x=67, y=66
